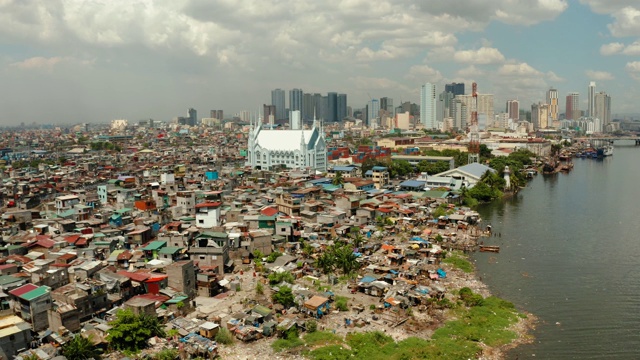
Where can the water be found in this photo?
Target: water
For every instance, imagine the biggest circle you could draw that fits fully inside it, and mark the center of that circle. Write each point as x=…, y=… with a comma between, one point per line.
x=570, y=254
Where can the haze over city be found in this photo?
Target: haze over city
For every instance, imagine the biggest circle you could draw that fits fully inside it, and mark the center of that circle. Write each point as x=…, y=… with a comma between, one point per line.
x=71, y=61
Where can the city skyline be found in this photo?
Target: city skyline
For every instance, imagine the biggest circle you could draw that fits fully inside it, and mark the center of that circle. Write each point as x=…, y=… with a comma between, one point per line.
x=63, y=62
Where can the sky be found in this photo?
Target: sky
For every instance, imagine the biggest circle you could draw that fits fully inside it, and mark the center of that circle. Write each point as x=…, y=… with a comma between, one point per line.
x=72, y=61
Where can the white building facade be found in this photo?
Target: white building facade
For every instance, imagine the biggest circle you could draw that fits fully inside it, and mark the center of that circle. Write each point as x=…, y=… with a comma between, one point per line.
x=300, y=149
x=428, y=106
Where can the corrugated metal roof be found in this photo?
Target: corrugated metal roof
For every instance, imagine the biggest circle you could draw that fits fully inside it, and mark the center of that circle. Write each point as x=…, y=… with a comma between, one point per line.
x=34, y=294
x=23, y=289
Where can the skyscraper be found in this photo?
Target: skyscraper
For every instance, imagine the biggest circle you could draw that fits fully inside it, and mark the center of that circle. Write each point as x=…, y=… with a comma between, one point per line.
x=332, y=107
x=455, y=88
x=428, y=106
x=373, y=111
x=277, y=100
x=540, y=115
x=513, y=109
x=572, y=107
x=217, y=114
x=193, y=117
x=445, y=103
x=307, y=106
x=267, y=112
x=295, y=100
x=552, y=100
x=342, y=106
x=591, y=100
x=386, y=104
x=602, y=108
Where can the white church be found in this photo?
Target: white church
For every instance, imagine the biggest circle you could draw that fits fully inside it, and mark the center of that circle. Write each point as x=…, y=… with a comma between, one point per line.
x=292, y=148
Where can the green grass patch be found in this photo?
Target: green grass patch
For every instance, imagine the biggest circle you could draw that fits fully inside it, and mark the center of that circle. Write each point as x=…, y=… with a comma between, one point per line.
x=322, y=338
x=286, y=344
x=457, y=339
x=459, y=261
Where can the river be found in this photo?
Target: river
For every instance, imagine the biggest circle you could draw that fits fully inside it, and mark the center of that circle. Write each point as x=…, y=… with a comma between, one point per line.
x=570, y=254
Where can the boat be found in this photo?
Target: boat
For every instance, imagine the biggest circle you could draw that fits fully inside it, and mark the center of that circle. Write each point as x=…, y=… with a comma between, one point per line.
x=608, y=150
x=490, y=248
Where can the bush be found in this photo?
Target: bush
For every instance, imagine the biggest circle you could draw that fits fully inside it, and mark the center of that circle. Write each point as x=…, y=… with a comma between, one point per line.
x=312, y=326
x=341, y=303
x=284, y=296
x=259, y=288
x=166, y=354
x=224, y=336
x=277, y=278
x=273, y=256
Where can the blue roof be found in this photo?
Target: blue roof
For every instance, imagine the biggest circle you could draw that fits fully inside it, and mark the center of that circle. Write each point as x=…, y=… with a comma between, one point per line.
x=344, y=168
x=320, y=181
x=368, y=279
x=379, y=168
x=369, y=172
x=413, y=183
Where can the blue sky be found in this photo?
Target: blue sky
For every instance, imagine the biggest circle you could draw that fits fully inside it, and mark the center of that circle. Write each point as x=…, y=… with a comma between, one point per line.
x=72, y=61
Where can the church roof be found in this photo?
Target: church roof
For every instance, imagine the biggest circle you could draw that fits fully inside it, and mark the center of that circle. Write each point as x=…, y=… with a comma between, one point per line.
x=284, y=140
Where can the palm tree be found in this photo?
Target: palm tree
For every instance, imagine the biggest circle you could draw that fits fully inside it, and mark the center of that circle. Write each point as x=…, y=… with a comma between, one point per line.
x=338, y=180
x=325, y=262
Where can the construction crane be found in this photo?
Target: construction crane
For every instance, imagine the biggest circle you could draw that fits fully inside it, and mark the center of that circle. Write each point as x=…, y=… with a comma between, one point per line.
x=474, y=136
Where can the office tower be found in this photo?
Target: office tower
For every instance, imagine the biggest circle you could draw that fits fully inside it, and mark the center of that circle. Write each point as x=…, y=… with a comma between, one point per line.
x=591, y=99
x=513, y=109
x=445, y=101
x=307, y=106
x=317, y=106
x=459, y=114
x=244, y=116
x=486, y=114
x=323, y=111
x=332, y=107
x=342, y=107
x=295, y=122
x=552, y=100
x=454, y=88
x=572, y=106
x=277, y=100
x=295, y=100
x=267, y=112
x=428, y=106
x=192, y=119
x=602, y=108
x=386, y=104
x=373, y=111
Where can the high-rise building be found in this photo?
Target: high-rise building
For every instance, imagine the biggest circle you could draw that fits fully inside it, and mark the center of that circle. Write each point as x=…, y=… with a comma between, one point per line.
x=428, y=106
x=373, y=109
x=591, y=100
x=295, y=100
x=540, y=115
x=572, y=106
x=602, y=108
x=192, y=119
x=342, y=107
x=445, y=102
x=295, y=121
x=217, y=114
x=332, y=107
x=268, y=111
x=454, y=88
x=486, y=114
x=459, y=113
x=513, y=109
x=386, y=104
x=277, y=100
x=552, y=100
x=307, y=106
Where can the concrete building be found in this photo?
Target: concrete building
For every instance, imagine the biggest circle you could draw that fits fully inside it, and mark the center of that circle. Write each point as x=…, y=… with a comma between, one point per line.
x=192, y=119
x=454, y=88
x=403, y=121
x=572, y=106
x=267, y=149
x=540, y=116
x=513, y=109
x=602, y=108
x=32, y=303
x=485, y=108
x=552, y=100
x=208, y=214
x=591, y=100
x=182, y=277
x=295, y=120
x=373, y=112
x=428, y=106
x=342, y=107
x=15, y=336
x=295, y=100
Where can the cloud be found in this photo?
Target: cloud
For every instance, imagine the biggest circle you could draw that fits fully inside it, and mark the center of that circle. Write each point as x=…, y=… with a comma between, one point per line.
x=521, y=69
x=599, y=75
x=484, y=55
x=424, y=73
x=633, y=69
x=611, y=48
x=553, y=77
x=44, y=63
x=632, y=49
x=470, y=71
x=625, y=14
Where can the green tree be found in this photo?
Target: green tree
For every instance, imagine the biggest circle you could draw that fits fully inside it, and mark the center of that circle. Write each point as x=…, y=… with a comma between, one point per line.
x=338, y=180
x=80, y=348
x=259, y=288
x=325, y=262
x=130, y=332
x=284, y=296
x=224, y=336
x=166, y=354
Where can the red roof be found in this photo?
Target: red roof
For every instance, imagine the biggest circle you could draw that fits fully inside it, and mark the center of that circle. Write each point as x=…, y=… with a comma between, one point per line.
x=7, y=266
x=44, y=242
x=269, y=211
x=81, y=242
x=72, y=239
x=125, y=256
x=208, y=204
x=139, y=277
x=23, y=289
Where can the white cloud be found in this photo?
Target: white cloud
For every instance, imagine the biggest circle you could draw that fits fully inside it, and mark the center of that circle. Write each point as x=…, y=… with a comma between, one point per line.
x=632, y=49
x=633, y=69
x=625, y=14
x=470, y=71
x=611, y=48
x=484, y=55
x=521, y=69
x=599, y=75
x=553, y=77
x=424, y=73
x=48, y=63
